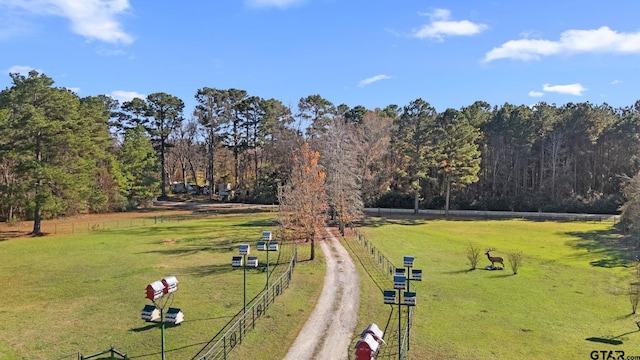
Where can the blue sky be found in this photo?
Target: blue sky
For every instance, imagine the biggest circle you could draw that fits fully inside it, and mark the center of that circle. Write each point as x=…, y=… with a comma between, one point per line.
x=354, y=52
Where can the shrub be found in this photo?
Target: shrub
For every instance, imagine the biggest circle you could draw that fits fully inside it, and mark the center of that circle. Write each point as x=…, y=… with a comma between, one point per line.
x=473, y=255
x=514, y=258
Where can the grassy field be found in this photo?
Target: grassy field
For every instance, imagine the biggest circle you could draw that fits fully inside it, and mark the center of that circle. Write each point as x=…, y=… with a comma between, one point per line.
x=83, y=293
x=568, y=299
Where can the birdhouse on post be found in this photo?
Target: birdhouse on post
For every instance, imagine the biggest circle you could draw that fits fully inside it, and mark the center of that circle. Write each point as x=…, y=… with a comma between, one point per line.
x=266, y=235
x=410, y=298
x=170, y=284
x=389, y=297
x=155, y=290
x=244, y=249
x=174, y=316
x=150, y=313
x=252, y=261
x=236, y=261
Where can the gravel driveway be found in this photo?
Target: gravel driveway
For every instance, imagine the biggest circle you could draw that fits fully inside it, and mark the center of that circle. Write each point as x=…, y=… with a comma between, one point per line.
x=328, y=332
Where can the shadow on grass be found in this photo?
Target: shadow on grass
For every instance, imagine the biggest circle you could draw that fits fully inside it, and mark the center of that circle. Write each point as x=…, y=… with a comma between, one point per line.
x=614, y=249
x=155, y=354
x=612, y=340
x=456, y=272
x=604, y=340
x=206, y=270
x=259, y=223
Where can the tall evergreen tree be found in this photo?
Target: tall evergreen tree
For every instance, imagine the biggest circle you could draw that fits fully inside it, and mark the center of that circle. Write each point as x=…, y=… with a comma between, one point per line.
x=412, y=139
x=43, y=122
x=166, y=117
x=457, y=153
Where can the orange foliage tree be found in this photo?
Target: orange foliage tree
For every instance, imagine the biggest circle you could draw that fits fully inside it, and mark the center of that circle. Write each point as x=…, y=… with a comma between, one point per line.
x=303, y=199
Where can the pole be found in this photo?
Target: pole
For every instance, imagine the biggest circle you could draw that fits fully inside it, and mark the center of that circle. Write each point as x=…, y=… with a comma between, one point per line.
x=244, y=306
x=162, y=330
x=408, y=310
x=399, y=325
x=267, y=266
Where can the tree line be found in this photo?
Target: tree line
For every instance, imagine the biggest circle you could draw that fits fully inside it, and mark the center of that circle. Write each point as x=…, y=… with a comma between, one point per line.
x=61, y=154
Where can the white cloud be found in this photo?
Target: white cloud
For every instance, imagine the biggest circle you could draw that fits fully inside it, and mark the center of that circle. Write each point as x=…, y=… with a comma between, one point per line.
x=93, y=19
x=441, y=26
x=616, y=82
x=20, y=69
x=122, y=95
x=273, y=3
x=373, y=79
x=571, y=89
x=602, y=40
x=536, y=93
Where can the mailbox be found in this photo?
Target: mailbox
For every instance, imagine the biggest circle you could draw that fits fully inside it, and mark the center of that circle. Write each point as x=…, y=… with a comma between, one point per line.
x=155, y=290
x=389, y=297
x=170, y=284
x=252, y=261
x=375, y=331
x=273, y=246
x=410, y=298
x=244, y=249
x=174, y=316
x=150, y=313
x=416, y=275
x=367, y=348
x=408, y=261
x=266, y=235
x=399, y=282
x=236, y=261
x=261, y=246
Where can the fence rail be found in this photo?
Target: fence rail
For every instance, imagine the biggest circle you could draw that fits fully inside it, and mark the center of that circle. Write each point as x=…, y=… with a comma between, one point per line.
x=498, y=214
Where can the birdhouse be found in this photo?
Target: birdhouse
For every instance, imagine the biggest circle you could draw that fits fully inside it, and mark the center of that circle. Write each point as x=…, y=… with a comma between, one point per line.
x=374, y=330
x=170, y=284
x=399, y=282
x=410, y=298
x=155, y=290
x=244, y=249
x=367, y=348
x=273, y=246
x=266, y=235
x=416, y=275
x=236, y=261
x=150, y=313
x=408, y=261
x=261, y=246
x=389, y=297
x=174, y=316
x=252, y=261
x=400, y=271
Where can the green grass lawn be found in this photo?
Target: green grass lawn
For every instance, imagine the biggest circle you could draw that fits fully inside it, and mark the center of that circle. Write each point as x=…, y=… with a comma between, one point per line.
x=83, y=293
x=567, y=300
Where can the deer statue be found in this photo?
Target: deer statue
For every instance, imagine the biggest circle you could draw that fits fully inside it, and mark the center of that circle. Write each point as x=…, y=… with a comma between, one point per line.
x=494, y=259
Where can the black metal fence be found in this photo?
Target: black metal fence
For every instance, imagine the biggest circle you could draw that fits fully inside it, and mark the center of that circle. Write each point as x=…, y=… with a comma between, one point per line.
x=222, y=344
x=388, y=268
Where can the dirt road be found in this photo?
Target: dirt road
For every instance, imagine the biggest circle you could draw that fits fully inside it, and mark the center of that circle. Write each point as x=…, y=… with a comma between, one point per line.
x=328, y=332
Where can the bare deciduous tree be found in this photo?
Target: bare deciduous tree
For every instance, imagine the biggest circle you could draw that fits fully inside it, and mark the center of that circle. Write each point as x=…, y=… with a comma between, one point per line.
x=343, y=177
x=373, y=154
